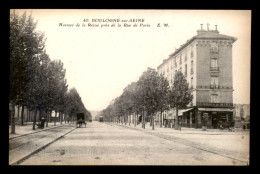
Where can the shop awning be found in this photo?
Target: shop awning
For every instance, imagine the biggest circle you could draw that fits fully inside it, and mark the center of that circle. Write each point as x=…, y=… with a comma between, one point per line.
x=180, y=111
x=171, y=114
x=216, y=109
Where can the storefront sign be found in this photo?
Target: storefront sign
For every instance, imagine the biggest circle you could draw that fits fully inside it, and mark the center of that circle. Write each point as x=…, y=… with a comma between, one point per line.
x=215, y=104
x=216, y=109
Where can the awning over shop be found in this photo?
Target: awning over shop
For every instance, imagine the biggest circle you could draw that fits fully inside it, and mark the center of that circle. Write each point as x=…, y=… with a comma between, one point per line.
x=181, y=111
x=171, y=114
x=216, y=109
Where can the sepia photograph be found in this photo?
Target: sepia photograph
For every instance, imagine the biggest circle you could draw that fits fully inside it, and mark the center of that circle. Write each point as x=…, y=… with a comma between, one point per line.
x=129, y=87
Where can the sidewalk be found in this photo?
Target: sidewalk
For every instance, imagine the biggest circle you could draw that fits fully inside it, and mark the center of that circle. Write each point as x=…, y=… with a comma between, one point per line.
x=232, y=144
x=24, y=147
x=27, y=129
x=186, y=130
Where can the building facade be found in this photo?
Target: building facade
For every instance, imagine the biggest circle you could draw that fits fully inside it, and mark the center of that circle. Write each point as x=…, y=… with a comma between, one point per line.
x=241, y=115
x=206, y=62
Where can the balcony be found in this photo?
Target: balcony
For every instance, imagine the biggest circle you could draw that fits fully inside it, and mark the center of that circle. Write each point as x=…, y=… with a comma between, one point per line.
x=214, y=51
x=214, y=71
x=214, y=86
x=214, y=68
x=214, y=55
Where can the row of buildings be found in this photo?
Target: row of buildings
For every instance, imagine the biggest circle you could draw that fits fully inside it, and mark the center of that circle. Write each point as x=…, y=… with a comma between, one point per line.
x=206, y=61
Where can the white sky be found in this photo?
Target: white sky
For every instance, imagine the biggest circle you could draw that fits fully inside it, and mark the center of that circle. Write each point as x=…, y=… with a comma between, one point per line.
x=100, y=62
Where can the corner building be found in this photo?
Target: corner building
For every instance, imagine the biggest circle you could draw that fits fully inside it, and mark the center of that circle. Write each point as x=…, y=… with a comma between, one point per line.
x=206, y=61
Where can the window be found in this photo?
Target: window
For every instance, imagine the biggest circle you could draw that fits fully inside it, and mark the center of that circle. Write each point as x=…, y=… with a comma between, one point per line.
x=214, y=63
x=185, y=58
x=186, y=70
x=191, y=82
x=214, y=98
x=214, y=47
x=181, y=69
x=214, y=82
x=191, y=65
x=191, y=51
x=180, y=59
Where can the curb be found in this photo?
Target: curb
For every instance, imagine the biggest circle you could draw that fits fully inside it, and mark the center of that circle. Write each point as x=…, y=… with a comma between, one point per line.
x=40, y=149
x=35, y=132
x=200, y=132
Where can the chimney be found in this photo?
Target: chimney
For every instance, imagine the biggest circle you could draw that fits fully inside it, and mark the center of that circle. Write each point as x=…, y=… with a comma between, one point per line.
x=201, y=31
x=208, y=26
x=216, y=27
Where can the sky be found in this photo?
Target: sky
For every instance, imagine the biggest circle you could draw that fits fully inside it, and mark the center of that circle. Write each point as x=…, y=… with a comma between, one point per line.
x=101, y=61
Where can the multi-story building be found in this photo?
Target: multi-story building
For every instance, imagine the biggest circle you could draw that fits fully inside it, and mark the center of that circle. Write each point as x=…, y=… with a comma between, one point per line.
x=206, y=62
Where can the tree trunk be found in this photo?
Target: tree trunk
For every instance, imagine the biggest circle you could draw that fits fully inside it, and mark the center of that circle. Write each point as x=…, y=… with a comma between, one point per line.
x=61, y=118
x=30, y=120
x=129, y=121
x=27, y=113
x=47, y=119
x=135, y=118
x=18, y=115
x=34, y=120
x=22, y=114
x=143, y=121
x=152, y=122
x=13, y=119
x=161, y=116
x=177, y=119
x=55, y=118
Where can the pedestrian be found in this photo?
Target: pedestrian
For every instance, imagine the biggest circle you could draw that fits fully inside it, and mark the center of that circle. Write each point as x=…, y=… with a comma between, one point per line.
x=180, y=125
x=42, y=122
x=244, y=127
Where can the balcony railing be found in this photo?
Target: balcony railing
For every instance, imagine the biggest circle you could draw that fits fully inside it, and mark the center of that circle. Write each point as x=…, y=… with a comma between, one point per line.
x=214, y=55
x=214, y=68
x=214, y=86
x=214, y=51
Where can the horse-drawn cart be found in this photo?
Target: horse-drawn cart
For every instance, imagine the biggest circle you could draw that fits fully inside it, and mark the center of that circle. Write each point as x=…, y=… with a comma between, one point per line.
x=80, y=120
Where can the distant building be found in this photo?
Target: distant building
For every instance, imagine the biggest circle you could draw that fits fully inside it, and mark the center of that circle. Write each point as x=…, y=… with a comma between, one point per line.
x=242, y=115
x=242, y=111
x=206, y=62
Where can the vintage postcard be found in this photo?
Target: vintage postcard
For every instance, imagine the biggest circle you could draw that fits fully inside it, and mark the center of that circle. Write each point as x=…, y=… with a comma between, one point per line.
x=129, y=87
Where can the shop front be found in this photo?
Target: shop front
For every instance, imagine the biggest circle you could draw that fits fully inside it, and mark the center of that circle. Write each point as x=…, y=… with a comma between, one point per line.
x=214, y=117
x=186, y=117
